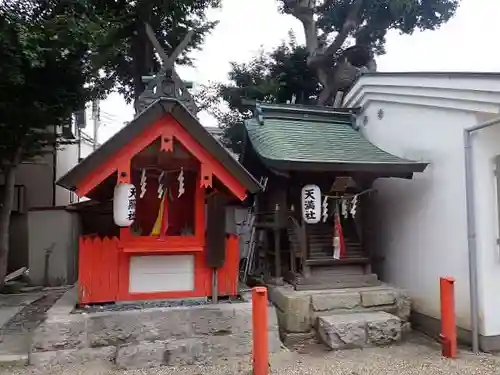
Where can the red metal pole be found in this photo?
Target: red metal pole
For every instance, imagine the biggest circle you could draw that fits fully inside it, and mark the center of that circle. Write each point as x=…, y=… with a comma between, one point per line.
x=448, y=326
x=259, y=329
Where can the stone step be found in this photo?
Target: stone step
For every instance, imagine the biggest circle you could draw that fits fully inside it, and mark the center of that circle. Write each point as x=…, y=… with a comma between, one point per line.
x=322, y=280
x=330, y=261
x=359, y=330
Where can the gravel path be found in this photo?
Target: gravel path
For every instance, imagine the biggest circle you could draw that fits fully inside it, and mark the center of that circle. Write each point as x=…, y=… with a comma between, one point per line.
x=416, y=356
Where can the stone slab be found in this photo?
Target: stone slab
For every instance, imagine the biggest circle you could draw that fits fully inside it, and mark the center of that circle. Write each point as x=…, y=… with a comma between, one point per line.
x=290, y=339
x=298, y=310
x=358, y=330
x=150, y=337
x=64, y=305
x=13, y=359
x=142, y=355
x=11, y=304
x=294, y=309
x=335, y=301
x=66, y=333
x=378, y=298
x=44, y=360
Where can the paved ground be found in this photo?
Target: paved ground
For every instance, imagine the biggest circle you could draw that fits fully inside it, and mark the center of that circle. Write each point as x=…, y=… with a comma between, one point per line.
x=20, y=314
x=416, y=356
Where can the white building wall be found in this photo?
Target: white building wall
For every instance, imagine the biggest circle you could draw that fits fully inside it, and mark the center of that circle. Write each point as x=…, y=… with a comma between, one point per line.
x=422, y=223
x=486, y=145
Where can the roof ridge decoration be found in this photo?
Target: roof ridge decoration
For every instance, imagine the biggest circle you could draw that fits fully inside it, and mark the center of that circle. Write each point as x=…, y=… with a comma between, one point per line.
x=166, y=83
x=298, y=112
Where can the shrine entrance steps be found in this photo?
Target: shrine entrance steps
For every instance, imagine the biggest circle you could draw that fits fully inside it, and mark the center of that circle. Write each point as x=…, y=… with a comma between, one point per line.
x=342, y=318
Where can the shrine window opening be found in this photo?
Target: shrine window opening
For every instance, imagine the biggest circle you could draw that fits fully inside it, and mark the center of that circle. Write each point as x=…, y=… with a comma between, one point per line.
x=165, y=202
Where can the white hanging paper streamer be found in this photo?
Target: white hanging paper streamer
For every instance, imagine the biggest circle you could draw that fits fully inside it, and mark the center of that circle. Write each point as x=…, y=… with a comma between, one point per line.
x=354, y=204
x=161, y=189
x=345, y=208
x=143, y=184
x=325, y=209
x=336, y=238
x=180, y=178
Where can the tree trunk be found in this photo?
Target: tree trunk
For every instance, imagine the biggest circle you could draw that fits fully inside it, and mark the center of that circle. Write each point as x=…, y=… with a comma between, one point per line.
x=7, y=204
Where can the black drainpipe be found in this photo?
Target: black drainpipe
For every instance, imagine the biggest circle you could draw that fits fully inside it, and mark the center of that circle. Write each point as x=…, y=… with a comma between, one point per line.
x=54, y=168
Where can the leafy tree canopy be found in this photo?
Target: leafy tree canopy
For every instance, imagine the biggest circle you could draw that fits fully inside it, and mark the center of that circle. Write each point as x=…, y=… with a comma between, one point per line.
x=128, y=54
x=343, y=36
x=279, y=76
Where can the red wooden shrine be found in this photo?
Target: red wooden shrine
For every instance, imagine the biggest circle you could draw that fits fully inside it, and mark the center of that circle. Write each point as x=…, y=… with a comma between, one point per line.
x=173, y=246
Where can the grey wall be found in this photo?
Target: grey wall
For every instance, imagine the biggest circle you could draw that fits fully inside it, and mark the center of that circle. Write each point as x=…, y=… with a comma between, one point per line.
x=60, y=228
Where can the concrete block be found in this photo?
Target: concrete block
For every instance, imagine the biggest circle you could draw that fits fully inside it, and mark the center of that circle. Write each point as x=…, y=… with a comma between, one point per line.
x=294, y=309
x=378, y=297
x=142, y=355
x=185, y=352
x=383, y=329
x=119, y=328
x=168, y=323
x=292, y=339
x=335, y=301
x=152, y=337
x=83, y=356
x=403, y=305
x=66, y=333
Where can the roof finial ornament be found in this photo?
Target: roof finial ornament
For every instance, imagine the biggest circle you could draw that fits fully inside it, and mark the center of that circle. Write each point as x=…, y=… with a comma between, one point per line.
x=167, y=83
x=259, y=114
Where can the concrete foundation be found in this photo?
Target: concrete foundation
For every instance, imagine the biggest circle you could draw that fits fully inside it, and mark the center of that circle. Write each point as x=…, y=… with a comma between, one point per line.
x=151, y=337
x=298, y=311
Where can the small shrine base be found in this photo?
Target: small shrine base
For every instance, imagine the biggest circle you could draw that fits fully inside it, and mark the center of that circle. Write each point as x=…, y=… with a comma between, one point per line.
x=342, y=318
x=172, y=336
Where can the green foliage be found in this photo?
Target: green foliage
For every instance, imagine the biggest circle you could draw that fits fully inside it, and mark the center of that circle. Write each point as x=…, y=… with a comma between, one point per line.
x=46, y=71
x=279, y=76
x=128, y=54
x=376, y=17
x=56, y=55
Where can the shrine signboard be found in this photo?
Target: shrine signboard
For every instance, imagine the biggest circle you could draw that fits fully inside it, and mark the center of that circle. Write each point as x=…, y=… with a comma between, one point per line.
x=311, y=204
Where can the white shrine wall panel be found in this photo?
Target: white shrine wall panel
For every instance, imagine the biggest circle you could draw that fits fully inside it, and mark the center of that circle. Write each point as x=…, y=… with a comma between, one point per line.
x=161, y=273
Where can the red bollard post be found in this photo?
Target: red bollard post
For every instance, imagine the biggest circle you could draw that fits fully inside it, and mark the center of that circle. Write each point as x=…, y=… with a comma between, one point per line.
x=448, y=326
x=260, y=350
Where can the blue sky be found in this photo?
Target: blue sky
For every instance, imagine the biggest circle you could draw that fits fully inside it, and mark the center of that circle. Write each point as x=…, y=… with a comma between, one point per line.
x=469, y=42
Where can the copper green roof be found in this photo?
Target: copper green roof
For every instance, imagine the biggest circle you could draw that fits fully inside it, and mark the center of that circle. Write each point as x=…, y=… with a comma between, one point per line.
x=291, y=137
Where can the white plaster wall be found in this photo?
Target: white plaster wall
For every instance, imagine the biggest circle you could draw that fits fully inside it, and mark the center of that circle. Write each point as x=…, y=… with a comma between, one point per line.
x=422, y=222
x=485, y=146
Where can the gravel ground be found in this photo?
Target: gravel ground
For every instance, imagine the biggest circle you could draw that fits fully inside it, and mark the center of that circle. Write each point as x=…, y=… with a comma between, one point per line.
x=150, y=305
x=418, y=355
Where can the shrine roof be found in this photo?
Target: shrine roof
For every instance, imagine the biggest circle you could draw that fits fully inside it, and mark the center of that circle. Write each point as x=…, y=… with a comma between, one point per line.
x=133, y=129
x=295, y=137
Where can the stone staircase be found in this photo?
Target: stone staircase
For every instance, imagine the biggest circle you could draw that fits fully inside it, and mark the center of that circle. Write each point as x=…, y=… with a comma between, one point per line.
x=343, y=318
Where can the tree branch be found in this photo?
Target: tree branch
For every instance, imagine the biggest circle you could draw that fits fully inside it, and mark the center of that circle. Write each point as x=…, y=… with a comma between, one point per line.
x=349, y=25
x=303, y=10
